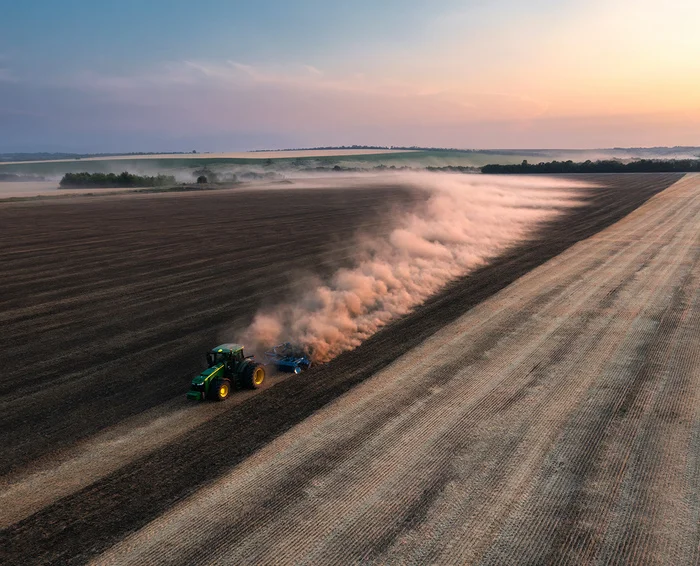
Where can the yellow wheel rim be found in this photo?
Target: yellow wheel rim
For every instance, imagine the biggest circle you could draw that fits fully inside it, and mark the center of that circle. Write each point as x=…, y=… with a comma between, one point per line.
x=223, y=391
x=258, y=376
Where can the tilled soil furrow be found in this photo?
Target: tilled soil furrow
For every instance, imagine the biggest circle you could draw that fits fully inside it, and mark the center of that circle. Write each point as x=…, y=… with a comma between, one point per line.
x=419, y=420
x=454, y=424
x=655, y=482
x=493, y=458
x=592, y=440
x=94, y=325
x=554, y=357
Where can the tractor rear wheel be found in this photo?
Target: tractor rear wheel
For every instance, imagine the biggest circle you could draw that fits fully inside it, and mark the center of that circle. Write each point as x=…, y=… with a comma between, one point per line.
x=221, y=389
x=253, y=375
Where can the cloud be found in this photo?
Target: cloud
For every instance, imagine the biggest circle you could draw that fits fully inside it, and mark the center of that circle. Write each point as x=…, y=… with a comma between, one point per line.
x=313, y=70
x=205, y=99
x=307, y=92
x=248, y=69
x=6, y=75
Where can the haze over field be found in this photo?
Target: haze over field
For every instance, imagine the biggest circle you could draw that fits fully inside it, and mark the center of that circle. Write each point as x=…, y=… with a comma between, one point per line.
x=225, y=76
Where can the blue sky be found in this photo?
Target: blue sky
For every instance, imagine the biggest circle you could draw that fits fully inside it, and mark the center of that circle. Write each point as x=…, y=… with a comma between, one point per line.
x=62, y=36
x=216, y=75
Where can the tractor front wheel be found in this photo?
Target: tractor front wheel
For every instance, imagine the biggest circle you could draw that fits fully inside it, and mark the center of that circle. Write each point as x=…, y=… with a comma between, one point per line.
x=221, y=389
x=253, y=376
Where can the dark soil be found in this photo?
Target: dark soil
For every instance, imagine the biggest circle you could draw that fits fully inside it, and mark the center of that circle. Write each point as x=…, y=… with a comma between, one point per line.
x=109, y=305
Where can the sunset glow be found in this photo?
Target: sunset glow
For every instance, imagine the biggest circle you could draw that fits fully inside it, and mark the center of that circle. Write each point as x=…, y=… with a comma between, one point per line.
x=232, y=76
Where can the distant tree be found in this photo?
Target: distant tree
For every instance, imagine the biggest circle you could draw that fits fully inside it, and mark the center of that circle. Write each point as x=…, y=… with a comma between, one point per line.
x=109, y=180
x=206, y=172
x=605, y=166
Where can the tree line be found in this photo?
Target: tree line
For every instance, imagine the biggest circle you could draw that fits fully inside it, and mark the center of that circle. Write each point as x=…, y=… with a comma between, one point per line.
x=110, y=180
x=604, y=166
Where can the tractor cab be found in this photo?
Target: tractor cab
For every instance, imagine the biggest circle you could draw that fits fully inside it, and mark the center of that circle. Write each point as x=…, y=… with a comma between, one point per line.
x=226, y=353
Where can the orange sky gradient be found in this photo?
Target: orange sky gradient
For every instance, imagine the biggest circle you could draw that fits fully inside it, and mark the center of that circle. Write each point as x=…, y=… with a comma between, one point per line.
x=572, y=74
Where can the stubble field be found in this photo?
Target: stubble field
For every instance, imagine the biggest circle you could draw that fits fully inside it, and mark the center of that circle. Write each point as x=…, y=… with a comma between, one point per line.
x=537, y=416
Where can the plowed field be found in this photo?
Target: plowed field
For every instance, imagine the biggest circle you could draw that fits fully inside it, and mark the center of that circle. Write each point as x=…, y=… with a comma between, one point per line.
x=543, y=409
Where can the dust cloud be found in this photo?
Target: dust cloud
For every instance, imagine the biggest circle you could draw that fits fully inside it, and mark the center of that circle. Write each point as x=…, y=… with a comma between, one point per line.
x=466, y=221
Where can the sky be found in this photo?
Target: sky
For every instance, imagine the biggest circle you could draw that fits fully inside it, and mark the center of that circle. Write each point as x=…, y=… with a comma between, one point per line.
x=225, y=75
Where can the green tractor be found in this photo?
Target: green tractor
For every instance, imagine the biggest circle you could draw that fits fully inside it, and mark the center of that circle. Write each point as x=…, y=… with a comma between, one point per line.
x=227, y=366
